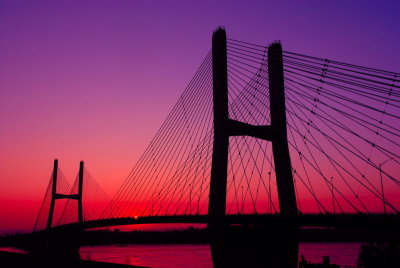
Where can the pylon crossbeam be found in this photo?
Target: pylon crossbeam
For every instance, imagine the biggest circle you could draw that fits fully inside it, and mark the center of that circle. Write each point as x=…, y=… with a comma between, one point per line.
x=66, y=196
x=237, y=128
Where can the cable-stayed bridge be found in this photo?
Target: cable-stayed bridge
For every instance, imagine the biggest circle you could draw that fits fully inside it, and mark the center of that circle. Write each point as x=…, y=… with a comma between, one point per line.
x=259, y=135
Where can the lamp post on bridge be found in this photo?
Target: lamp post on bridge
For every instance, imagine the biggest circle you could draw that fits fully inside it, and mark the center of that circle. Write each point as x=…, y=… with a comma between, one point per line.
x=380, y=173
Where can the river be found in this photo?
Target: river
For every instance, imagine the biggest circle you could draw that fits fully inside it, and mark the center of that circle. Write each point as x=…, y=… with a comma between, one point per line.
x=199, y=255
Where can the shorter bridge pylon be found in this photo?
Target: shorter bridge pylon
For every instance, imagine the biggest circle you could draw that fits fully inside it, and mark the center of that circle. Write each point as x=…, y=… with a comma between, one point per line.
x=55, y=195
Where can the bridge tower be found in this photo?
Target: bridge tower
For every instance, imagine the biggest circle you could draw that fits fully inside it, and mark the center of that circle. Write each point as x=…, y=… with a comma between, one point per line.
x=55, y=195
x=224, y=127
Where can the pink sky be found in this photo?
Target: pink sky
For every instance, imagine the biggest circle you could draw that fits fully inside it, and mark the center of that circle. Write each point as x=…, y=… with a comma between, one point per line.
x=93, y=80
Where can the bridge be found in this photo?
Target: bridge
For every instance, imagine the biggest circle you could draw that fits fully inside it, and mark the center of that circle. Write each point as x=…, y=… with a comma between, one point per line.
x=259, y=136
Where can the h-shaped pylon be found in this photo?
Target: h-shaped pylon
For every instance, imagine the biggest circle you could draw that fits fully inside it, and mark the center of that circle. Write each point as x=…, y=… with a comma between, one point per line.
x=55, y=195
x=224, y=127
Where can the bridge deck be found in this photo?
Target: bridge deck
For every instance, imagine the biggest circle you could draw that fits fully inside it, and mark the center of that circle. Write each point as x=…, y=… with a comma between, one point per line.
x=359, y=221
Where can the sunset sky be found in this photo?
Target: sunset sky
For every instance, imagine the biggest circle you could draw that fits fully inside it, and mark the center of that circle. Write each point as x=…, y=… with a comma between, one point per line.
x=94, y=80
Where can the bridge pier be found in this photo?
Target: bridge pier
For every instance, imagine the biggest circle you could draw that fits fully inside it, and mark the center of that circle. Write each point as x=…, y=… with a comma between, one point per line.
x=54, y=246
x=274, y=246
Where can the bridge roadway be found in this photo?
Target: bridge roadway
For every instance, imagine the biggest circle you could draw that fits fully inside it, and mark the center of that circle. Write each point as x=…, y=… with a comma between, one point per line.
x=356, y=221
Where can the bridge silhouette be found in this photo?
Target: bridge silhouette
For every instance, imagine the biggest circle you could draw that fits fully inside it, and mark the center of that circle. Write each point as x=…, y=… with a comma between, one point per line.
x=259, y=136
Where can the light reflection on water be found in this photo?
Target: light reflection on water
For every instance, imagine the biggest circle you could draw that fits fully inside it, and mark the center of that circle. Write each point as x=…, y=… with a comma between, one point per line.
x=199, y=255
x=12, y=249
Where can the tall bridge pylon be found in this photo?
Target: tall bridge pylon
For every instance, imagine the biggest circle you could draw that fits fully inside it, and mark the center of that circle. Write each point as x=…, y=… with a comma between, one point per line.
x=55, y=195
x=224, y=127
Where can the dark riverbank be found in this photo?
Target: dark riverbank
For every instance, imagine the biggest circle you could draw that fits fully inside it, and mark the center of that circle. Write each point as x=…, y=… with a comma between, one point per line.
x=20, y=260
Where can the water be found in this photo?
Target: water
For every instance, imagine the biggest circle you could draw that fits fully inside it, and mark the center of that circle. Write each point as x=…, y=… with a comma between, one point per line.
x=199, y=255
x=163, y=256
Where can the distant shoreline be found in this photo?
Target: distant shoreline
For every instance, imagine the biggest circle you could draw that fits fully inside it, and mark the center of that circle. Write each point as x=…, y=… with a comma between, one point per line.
x=201, y=236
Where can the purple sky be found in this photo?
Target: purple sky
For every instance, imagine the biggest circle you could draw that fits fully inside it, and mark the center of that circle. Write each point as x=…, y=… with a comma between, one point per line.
x=93, y=80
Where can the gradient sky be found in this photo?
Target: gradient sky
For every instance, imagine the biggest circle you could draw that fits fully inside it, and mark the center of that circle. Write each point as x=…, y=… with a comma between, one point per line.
x=93, y=80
